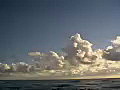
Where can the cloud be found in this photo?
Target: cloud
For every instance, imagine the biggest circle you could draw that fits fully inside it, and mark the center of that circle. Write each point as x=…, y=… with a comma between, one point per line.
x=113, y=51
x=79, y=55
x=80, y=51
x=49, y=60
x=79, y=58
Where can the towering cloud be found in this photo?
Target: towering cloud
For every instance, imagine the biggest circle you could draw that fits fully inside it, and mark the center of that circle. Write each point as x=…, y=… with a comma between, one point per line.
x=80, y=51
x=79, y=58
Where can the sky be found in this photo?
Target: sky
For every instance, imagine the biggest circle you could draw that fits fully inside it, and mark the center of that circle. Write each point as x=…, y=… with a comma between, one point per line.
x=43, y=25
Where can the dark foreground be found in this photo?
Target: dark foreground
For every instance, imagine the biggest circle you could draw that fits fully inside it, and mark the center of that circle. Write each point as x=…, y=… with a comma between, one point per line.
x=93, y=84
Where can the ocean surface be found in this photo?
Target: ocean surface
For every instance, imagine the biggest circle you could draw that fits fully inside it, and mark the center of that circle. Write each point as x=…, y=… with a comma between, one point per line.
x=93, y=84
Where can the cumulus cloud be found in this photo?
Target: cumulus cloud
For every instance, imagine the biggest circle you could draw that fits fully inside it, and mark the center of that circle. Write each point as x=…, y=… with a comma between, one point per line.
x=113, y=51
x=49, y=60
x=80, y=51
x=79, y=58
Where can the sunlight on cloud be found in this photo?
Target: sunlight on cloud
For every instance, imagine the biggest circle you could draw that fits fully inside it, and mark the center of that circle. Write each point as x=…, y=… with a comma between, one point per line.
x=79, y=58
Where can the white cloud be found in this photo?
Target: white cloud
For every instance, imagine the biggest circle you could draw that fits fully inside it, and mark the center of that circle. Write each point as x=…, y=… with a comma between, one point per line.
x=113, y=51
x=79, y=58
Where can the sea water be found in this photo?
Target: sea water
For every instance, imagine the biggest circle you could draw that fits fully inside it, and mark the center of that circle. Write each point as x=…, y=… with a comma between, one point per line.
x=91, y=84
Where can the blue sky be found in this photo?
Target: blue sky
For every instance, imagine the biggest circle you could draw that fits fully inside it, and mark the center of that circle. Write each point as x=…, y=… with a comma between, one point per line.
x=43, y=25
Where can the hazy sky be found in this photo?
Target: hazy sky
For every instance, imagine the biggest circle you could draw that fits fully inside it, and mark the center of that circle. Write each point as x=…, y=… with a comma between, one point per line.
x=43, y=25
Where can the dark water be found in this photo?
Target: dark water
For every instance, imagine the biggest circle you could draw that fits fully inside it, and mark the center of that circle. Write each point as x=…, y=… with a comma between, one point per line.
x=99, y=84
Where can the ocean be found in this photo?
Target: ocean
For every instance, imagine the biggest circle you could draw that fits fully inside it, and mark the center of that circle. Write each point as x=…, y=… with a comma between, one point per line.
x=84, y=84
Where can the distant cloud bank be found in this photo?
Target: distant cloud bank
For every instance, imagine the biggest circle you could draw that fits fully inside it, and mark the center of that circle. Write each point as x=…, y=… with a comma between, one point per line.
x=79, y=58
